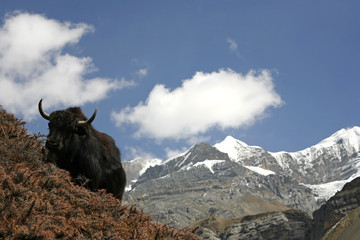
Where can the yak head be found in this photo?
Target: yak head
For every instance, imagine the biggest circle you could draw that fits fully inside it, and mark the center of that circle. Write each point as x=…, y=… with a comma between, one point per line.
x=67, y=128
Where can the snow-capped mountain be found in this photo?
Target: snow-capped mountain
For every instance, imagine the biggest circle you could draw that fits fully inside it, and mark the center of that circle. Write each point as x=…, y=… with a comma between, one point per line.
x=236, y=149
x=204, y=181
x=232, y=179
x=338, y=147
x=195, y=156
x=135, y=168
x=252, y=157
x=328, y=165
x=343, y=142
x=324, y=167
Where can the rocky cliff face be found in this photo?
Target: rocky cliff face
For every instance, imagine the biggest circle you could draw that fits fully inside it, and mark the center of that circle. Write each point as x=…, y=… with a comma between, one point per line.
x=336, y=208
x=347, y=228
x=290, y=224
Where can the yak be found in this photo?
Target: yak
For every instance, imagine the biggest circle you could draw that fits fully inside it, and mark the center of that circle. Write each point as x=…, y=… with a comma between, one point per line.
x=74, y=145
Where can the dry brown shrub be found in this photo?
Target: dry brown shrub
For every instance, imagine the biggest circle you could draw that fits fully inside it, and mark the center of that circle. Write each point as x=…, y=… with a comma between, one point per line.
x=39, y=201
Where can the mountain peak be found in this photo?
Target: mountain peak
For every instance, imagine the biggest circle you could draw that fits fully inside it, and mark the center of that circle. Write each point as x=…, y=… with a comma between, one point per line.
x=200, y=152
x=232, y=140
x=229, y=146
x=236, y=149
x=349, y=136
x=343, y=141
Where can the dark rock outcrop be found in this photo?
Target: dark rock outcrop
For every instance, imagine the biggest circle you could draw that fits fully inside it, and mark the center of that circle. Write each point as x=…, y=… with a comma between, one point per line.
x=207, y=234
x=289, y=225
x=347, y=228
x=336, y=208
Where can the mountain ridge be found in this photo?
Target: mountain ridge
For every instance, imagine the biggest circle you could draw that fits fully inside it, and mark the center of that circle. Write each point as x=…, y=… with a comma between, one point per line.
x=283, y=162
x=219, y=180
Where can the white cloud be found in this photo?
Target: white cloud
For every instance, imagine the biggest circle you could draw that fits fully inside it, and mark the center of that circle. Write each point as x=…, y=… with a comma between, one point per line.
x=32, y=65
x=224, y=99
x=137, y=152
x=142, y=72
x=172, y=153
x=233, y=45
x=196, y=139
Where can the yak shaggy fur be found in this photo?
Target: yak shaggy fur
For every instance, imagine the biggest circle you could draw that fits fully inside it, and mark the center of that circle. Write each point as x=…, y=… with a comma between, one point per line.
x=85, y=152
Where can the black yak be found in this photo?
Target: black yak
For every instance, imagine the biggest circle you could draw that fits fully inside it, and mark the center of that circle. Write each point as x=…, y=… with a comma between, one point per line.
x=74, y=145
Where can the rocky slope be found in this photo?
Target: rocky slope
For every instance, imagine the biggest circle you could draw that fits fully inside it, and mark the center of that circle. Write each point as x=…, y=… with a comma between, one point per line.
x=338, y=218
x=336, y=208
x=347, y=228
x=286, y=225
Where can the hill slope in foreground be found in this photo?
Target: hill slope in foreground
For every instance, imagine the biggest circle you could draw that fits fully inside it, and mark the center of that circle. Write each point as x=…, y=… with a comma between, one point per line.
x=39, y=201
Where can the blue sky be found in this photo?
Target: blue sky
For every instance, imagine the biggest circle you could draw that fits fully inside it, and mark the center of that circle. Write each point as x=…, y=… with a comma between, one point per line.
x=284, y=74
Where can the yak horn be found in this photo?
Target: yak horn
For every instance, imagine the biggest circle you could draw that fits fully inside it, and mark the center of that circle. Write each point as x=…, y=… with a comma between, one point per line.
x=42, y=113
x=87, y=122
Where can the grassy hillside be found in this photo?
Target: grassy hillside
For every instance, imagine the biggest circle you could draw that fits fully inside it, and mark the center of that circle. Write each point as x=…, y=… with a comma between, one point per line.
x=39, y=200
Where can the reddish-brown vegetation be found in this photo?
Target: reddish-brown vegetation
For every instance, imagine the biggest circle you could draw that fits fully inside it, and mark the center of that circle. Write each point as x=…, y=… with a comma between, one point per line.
x=39, y=200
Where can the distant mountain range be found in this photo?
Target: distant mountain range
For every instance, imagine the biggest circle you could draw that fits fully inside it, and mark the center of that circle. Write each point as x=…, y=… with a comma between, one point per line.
x=232, y=179
x=324, y=167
